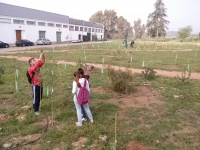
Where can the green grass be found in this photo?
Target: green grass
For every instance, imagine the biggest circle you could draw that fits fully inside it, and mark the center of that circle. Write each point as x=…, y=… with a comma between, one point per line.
x=157, y=56
x=174, y=122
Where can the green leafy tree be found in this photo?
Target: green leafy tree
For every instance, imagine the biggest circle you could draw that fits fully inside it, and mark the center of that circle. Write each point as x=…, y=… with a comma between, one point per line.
x=156, y=23
x=185, y=32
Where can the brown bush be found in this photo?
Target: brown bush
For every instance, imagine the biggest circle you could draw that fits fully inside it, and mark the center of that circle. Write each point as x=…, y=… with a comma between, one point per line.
x=120, y=81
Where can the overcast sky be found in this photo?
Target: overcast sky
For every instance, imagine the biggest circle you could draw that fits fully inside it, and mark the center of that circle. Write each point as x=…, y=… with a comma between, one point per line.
x=180, y=12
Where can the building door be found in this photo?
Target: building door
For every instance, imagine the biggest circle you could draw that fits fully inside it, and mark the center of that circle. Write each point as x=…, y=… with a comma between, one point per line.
x=41, y=34
x=18, y=35
x=89, y=36
x=101, y=37
x=58, y=36
x=79, y=37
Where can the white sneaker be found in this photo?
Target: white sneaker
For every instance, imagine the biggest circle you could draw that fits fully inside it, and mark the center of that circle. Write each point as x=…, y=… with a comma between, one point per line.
x=78, y=124
x=91, y=121
x=84, y=119
x=37, y=113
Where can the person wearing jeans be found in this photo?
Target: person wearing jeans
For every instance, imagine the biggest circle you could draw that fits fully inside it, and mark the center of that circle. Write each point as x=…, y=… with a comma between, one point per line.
x=36, y=80
x=79, y=79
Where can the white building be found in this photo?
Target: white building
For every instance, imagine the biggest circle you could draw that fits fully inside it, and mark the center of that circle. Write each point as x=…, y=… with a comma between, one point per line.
x=18, y=23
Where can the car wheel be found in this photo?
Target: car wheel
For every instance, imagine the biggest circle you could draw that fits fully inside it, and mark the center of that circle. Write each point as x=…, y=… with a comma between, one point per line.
x=50, y=43
x=32, y=44
x=23, y=45
x=6, y=46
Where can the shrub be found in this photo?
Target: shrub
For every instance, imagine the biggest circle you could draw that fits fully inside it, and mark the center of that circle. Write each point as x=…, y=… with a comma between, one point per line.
x=149, y=73
x=184, y=79
x=1, y=73
x=120, y=81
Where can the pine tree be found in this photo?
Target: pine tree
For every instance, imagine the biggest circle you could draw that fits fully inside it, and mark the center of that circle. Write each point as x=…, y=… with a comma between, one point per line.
x=156, y=23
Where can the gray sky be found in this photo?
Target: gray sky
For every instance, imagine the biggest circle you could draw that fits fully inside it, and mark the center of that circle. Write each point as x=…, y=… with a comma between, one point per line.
x=180, y=12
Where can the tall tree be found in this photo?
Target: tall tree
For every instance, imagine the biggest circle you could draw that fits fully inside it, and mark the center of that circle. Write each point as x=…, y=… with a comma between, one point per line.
x=97, y=17
x=156, y=23
x=123, y=28
x=108, y=19
x=139, y=29
x=183, y=33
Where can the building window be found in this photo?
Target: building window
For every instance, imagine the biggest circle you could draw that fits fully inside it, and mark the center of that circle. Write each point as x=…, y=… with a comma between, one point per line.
x=59, y=25
x=30, y=22
x=76, y=28
x=41, y=34
x=65, y=26
x=92, y=29
x=18, y=21
x=5, y=20
x=41, y=24
x=85, y=29
x=89, y=29
x=81, y=28
x=50, y=24
x=71, y=28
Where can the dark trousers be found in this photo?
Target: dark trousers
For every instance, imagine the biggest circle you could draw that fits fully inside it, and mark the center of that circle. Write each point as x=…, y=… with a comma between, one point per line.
x=83, y=112
x=37, y=96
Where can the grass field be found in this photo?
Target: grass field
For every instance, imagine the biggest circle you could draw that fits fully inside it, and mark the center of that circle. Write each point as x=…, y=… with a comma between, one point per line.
x=165, y=56
x=159, y=114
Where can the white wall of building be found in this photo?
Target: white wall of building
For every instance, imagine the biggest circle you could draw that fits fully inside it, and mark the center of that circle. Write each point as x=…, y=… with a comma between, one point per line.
x=31, y=32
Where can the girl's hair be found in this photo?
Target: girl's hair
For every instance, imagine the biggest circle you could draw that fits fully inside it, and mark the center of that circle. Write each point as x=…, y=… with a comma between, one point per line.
x=81, y=72
x=76, y=74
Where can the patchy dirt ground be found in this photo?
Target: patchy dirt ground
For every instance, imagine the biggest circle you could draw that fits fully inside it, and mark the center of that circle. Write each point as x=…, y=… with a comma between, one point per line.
x=194, y=75
x=97, y=90
x=135, y=146
x=79, y=144
x=144, y=97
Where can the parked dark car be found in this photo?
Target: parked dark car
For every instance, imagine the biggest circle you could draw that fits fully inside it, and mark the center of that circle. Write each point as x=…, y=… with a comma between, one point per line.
x=4, y=45
x=24, y=43
x=104, y=39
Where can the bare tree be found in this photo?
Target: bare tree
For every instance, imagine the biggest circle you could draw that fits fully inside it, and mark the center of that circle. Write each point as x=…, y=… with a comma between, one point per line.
x=139, y=29
x=123, y=28
x=108, y=19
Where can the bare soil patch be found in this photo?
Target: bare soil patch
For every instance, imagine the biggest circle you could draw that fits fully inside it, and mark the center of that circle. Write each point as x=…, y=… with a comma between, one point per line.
x=5, y=104
x=79, y=144
x=136, y=146
x=4, y=116
x=22, y=142
x=45, y=123
x=97, y=90
x=144, y=97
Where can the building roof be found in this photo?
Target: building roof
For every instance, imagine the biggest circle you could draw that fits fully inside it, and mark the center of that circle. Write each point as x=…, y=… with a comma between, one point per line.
x=22, y=12
x=85, y=23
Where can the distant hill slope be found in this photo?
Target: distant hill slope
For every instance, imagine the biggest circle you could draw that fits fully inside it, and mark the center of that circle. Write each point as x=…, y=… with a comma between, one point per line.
x=174, y=33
